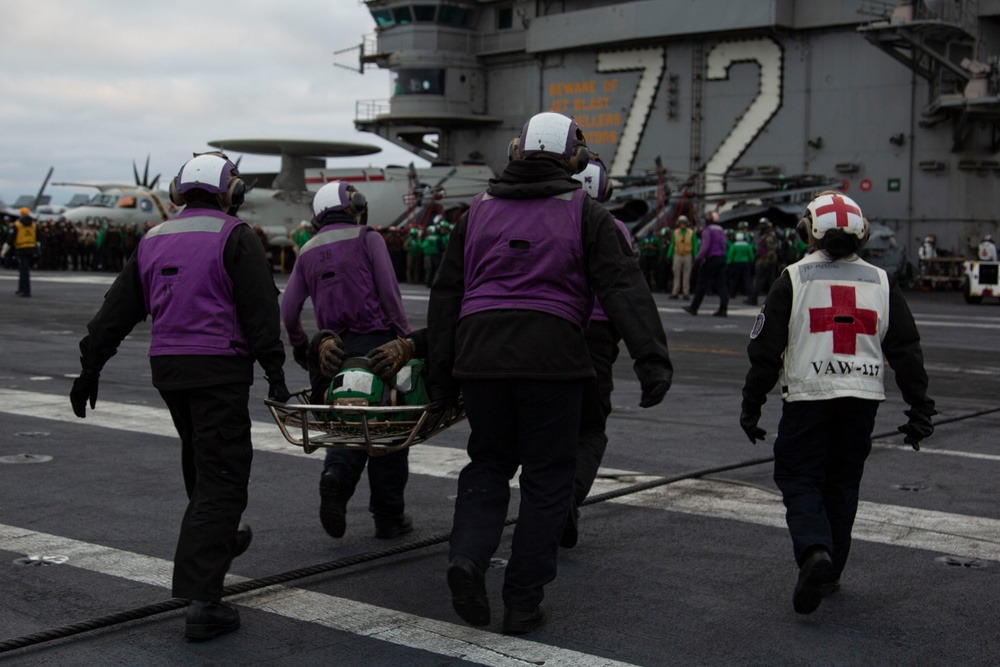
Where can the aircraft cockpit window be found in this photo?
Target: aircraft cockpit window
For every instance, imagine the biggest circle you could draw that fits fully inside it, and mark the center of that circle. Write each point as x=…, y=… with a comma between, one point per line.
x=424, y=12
x=402, y=15
x=104, y=199
x=383, y=18
x=128, y=201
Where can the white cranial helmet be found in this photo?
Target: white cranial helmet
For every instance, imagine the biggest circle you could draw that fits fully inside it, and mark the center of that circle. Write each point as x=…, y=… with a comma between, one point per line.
x=212, y=173
x=337, y=196
x=595, y=179
x=836, y=211
x=554, y=135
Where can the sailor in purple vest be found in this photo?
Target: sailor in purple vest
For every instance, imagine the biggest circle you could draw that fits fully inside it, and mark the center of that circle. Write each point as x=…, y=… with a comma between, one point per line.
x=712, y=272
x=347, y=272
x=204, y=279
x=506, y=323
x=602, y=343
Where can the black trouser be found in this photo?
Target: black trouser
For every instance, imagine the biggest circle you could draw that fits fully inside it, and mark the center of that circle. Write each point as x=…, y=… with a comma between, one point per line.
x=532, y=424
x=431, y=266
x=24, y=258
x=741, y=278
x=387, y=475
x=602, y=342
x=763, y=278
x=712, y=272
x=819, y=458
x=216, y=452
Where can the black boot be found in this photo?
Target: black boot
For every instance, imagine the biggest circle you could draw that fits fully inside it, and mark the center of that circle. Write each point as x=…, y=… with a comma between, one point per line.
x=814, y=576
x=207, y=619
x=332, y=506
x=468, y=591
x=517, y=622
x=394, y=527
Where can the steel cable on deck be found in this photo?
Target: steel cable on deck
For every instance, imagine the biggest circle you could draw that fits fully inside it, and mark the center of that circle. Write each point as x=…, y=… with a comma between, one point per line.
x=138, y=613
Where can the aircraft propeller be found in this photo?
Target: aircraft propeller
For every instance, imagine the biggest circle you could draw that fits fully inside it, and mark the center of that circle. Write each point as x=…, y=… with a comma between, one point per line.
x=41, y=190
x=145, y=182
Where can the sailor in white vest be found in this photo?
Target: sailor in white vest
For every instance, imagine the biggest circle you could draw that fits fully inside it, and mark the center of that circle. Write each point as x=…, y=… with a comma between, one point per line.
x=987, y=250
x=829, y=324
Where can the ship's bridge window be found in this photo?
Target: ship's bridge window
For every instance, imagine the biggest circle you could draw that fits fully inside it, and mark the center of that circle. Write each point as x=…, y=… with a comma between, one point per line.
x=451, y=15
x=402, y=15
x=424, y=12
x=505, y=18
x=419, y=82
x=383, y=18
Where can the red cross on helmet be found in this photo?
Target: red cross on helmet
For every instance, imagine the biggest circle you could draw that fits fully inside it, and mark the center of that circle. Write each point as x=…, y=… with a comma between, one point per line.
x=836, y=211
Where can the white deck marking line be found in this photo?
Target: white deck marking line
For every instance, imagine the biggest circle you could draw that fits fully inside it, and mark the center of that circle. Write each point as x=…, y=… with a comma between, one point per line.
x=954, y=534
x=388, y=625
x=424, y=459
x=929, y=530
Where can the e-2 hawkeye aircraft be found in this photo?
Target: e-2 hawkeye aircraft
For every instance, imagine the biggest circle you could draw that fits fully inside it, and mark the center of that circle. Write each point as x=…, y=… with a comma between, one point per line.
x=399, y=196
x=123, y=204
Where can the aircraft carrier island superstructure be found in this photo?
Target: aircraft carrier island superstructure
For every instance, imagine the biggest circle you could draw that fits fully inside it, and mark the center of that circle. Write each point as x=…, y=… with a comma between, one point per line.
x=896, y=103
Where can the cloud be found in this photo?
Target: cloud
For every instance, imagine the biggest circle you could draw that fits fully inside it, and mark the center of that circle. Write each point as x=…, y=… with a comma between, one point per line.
x=90, y=85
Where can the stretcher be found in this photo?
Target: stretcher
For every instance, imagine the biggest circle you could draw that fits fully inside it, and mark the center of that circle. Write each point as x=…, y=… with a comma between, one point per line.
x=375, y=429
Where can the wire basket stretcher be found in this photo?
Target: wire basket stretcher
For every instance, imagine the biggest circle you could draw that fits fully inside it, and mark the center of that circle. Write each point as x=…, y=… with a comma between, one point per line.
x=376, y=429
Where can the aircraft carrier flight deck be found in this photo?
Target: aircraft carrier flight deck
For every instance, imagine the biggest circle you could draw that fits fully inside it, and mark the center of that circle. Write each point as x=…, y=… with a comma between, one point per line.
x=693, y=569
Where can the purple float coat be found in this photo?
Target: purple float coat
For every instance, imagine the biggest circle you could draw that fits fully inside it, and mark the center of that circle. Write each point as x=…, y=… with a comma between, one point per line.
x=199, y=317
x=527, y=255
x=347, y=272
x=599, y=314
x=713, y=243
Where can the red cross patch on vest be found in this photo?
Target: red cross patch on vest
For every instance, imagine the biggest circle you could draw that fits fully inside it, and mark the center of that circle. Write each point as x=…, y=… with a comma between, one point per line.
x=844, y=319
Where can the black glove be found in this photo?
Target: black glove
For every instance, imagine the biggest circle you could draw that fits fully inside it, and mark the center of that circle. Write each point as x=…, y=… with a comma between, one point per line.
x=748, y=422
x=653, y=393
x=84, y=389
x=654, y=379
x=301, y=353
x=386, y=360
x=918, y=428
x=277, y=391
x=446, y=393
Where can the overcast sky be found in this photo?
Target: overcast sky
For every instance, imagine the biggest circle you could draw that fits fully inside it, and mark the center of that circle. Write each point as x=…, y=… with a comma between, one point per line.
x=88, y=86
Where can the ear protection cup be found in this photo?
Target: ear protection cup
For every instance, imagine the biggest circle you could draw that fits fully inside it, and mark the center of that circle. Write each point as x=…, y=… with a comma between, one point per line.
x=802, y=230
x=580, y=159
x=175, y=196
x=235, y=192
x=514, y=150
x=358, y=201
